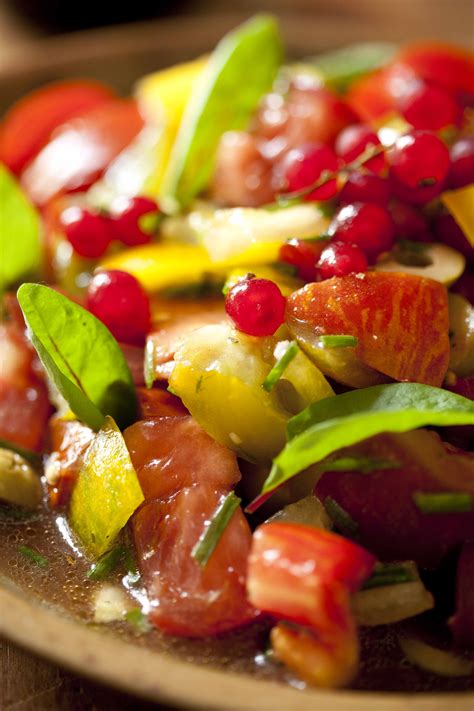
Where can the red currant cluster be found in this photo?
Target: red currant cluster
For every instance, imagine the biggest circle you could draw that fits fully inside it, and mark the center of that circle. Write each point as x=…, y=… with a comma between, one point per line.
x=91, y=232
x=380, y=198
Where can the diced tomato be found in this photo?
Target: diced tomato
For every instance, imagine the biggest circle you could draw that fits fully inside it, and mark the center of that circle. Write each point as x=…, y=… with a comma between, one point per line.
x=376, y=95
x=184, y=474
x=68, y=442
x=158, y=402
x=462, y=624
x=81, y=149
x=305, y=576
x=29, y=123
x=134, y=355
x=24, y=403
x=382, y=505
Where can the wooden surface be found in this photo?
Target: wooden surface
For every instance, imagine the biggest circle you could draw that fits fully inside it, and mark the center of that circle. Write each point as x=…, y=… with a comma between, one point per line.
x=26, y=682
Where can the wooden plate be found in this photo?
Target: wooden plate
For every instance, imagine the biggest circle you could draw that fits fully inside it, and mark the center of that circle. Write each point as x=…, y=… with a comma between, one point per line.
x=120, y=56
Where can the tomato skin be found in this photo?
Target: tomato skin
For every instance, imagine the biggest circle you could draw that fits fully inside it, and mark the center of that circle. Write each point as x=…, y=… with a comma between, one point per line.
x=158, y=402
x=462, y=623
x=184, y=474
x=68, y=442
x=29, y=123
x=306, y=576
x=81, y=149
x=377, y=94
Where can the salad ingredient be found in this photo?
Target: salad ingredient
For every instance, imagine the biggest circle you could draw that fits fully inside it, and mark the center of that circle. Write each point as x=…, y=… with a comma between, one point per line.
x=430, y=107
x=426, y=465
x=130, y=214
x=460, y=204
x=158, y=402
x=367, y=225
x=461, y=327
x=353, y=141
x=289, y=352
x=118, y=300
x=30, y=122
x=390, y=603
x=80, y=356
x=81, y=149
x=375, y=97
x=89, y=233
x=435, y=660
x=447, y=231
x=307, y=512
x=303, y=255
x=222, y=99
x=69, y=441
x=366, y=188
x=419, y=164
x=218, y=374
x=306, y=576
x=443, y=502
x=19, y=483
x=410, y=222
x=341, y=258
x=444, y=64
x=184, y=474
x=256, y=306
x=343, y=420
x=33, y=556
x=461, y=171
x=462, y=623
x=243, y=233
x=111, y=604
x=108, y=563
x=286, y=281
x=107, y=491
x=302, y=167
x=436, y=261
x=20, y=233
x=24, y=403
x=374, y=307
x=212, y=533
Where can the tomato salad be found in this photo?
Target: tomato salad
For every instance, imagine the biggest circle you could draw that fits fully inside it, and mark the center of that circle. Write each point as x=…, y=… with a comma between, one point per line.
x=237, y=344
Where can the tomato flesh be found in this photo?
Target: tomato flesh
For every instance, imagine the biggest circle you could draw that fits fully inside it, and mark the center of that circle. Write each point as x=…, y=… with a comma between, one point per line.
x=184, y=474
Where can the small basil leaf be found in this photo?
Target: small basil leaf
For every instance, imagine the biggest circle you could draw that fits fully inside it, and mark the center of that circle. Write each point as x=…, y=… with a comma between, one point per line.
x=80, y=356
x=20, y=253
x=340, y=421
x=238, y=72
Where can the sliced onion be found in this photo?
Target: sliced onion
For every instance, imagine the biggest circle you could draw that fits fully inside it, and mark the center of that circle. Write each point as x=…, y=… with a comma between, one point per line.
x=432, y=659
x=388, y=604
x=308, y=511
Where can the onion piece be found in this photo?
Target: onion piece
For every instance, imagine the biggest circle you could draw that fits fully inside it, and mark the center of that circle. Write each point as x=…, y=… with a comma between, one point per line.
x=308, y=511
x=432, y=659
x=388, y=604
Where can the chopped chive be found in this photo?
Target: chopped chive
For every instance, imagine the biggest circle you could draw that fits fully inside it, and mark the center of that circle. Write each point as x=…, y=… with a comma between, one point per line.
x=149, y=364
x=426, y=182
x=389, y=574
x=211, y=535
x=280, y=366
x=107, y=563
x=285, y=268
x=359, y=464
x=139, y=620
x=150, y=222
x=443, y=502
x=340, y=518
x=337, y=341
x=34, y=556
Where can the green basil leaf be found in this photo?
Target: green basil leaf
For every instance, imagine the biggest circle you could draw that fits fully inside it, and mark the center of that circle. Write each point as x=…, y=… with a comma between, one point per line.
x=239, y=71
x=20, y=253
x=340, y=67
x=80, y=355
x=340, y=421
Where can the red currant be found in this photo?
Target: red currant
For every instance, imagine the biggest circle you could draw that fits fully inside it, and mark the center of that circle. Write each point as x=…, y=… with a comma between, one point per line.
x=256, y=306
x=352, y=142
x=88, y=232
x=365, y=187
x=448, y=231
x=119, y=301
x=430, y=107
x=303, y=166
x=340, y=258
x=461, y=172
x=409, y=222
x=419, y=164
x=367, y=225
x=303, y=255
x=127, y=212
